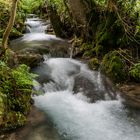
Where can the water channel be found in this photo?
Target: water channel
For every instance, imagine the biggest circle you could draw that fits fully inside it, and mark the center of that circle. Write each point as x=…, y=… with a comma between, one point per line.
x=77, y=104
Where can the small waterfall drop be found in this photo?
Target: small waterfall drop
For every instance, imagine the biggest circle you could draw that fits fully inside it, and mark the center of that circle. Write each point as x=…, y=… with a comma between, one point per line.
x=35, y=25
x=73, y=114
x=78, y=103
x=37, y=40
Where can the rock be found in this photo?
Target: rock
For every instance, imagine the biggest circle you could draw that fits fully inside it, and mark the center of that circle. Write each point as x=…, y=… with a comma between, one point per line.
x=92, y=91
x=15, y=34
x=30, y=59
x=131, y=95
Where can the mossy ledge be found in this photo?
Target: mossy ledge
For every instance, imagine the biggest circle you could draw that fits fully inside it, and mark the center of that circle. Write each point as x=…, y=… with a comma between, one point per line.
x=15, y=95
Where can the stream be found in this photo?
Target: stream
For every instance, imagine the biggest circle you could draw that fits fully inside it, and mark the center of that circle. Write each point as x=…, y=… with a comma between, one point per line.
x=77, y=103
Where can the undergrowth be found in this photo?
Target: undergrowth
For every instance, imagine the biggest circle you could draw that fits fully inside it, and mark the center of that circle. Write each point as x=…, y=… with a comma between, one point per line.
x=15, y=95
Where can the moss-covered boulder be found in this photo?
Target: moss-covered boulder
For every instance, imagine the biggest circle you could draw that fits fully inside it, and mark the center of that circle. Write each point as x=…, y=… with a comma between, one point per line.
x=115, y=66
x=15, y=95
x=15, y=34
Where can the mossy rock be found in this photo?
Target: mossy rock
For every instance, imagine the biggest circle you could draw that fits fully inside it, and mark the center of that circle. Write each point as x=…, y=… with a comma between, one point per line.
x=115, y=67
x=15, y=34
x=94, y=63
x=15, y=95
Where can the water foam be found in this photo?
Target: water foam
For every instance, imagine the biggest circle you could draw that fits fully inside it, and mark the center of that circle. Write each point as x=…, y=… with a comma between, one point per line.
x=73, y=115
x=76, y=119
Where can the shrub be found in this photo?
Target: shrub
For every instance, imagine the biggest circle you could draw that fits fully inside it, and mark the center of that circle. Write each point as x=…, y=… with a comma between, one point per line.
x=135, y=72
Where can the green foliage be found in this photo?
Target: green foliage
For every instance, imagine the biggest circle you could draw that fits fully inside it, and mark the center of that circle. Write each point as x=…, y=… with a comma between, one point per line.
x=4, y=18
x=15, y=90
x=24, y=7
x=114, y=66
x=94, y=63
x=30, y=6
x=59, y=5
x=88, y=49
x=63, y=11
x=22, y=76
x=135, y=72
x=13, y=79
x=13, y=120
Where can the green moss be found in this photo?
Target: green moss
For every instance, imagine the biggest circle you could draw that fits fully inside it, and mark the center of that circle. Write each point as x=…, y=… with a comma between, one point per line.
x=88, y=49
x=15, y=95
x=94, y=63
x=13, y=120
x=15, y=33
x=115, y=66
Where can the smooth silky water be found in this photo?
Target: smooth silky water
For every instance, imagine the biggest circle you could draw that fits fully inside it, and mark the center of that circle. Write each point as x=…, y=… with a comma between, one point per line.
x=76, y=102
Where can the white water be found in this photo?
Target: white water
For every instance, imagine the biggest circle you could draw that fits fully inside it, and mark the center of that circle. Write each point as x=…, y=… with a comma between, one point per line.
x=73, y=115
x=39, y=37
x=36, y=25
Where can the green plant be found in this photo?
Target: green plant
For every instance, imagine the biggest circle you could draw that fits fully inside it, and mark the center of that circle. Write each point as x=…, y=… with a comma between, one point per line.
x=30, y=6
x=94, y=63
x=114, y=66
x=135, y=72
x=15, y=90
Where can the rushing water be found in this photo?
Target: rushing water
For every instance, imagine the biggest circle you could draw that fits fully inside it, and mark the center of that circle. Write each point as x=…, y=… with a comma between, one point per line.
x=35, y=38
x=74, y=116
x=78, y=102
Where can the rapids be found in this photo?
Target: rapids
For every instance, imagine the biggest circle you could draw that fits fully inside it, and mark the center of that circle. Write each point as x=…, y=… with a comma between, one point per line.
x=77, y=102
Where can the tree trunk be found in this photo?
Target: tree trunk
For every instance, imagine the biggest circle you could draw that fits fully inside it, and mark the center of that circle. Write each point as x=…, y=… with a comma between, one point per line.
x=10, y=24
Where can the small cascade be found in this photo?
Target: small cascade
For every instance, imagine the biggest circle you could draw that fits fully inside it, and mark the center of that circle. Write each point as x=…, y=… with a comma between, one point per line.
x=77, y=103
x=37, y=40
x=35, y=24
x=67, y=102
x=69, y=74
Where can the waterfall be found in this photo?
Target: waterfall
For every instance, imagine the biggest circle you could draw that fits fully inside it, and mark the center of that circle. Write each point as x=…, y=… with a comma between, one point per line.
x=78, y=103
x=73, y=114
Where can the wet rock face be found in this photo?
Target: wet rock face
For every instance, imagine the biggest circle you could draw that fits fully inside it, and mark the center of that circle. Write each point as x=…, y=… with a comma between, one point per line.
x=93, y=92
x=86, y=86
x=131, y=95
